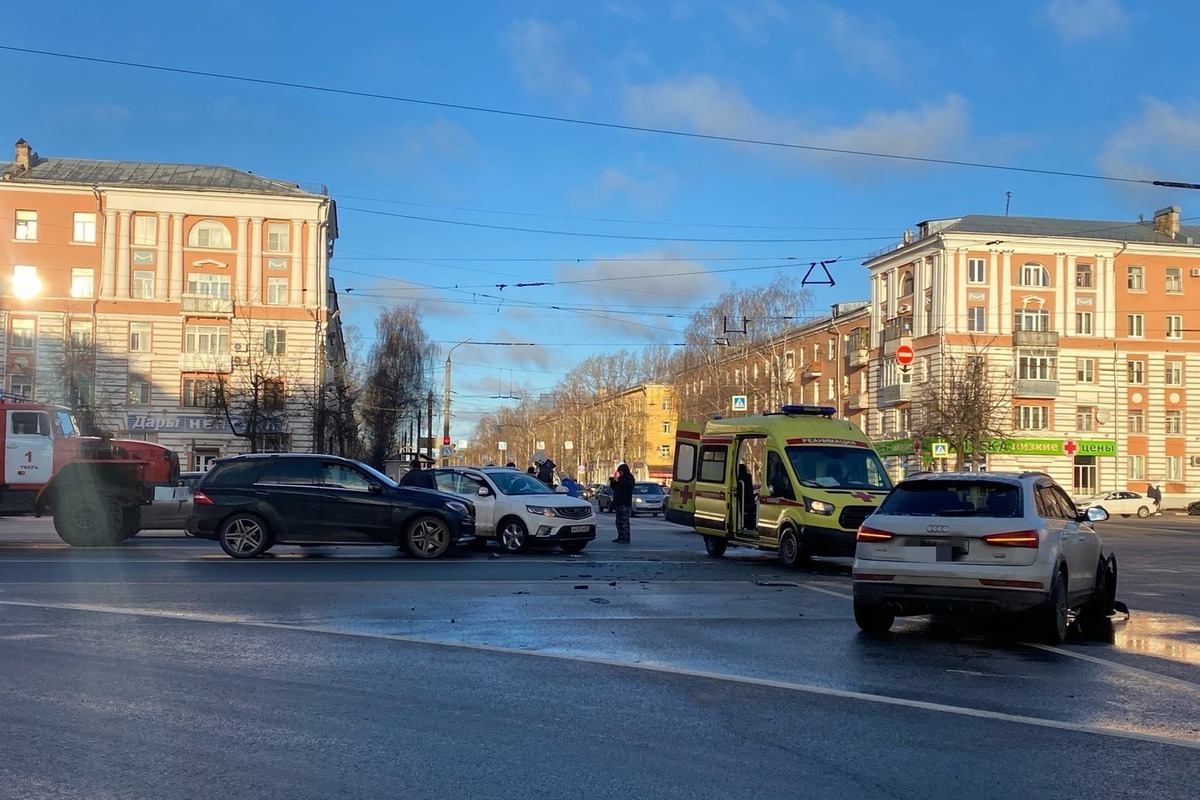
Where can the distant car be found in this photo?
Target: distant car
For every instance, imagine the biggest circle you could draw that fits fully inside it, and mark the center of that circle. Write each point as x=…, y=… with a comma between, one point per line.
x=1193, y=509
x=1124, y=503
x=171, y=505
x=519, y=511
x=604, y=499
x=978, y=544
x=251, y=503
x=648, y=498
x=592, y=488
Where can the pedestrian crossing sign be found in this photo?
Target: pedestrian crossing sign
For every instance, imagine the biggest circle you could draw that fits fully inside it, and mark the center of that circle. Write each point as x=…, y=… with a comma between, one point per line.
x=739, y=402
x=940, y=449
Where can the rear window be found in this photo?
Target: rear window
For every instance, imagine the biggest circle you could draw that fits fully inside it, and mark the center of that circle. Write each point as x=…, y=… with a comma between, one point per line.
x=928, y=498
x=293, y=472
x=233, y=473
x=647, y=488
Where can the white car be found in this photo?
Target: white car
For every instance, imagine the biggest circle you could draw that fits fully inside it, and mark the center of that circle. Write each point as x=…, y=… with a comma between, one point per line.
x=519, y=511
x=978, y=544
x=1123, y=503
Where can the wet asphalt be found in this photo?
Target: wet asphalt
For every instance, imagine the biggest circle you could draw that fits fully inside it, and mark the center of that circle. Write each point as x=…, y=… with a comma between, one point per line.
x=162, y=668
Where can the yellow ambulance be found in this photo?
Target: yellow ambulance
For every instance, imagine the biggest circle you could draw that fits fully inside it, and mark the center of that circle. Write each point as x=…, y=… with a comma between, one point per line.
x=797, y=482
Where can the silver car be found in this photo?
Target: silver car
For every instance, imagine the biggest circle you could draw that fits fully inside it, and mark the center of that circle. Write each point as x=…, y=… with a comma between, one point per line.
x=648, y=498
x=171, y=505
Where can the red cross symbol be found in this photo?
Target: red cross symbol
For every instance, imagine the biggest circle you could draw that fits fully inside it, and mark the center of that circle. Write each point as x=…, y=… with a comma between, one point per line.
x=866, y=498
x=1069, y=447
x=685, y=495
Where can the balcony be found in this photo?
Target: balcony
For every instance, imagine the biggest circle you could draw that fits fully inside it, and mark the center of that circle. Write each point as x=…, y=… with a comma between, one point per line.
x=897, y=393
x=205, y=362
x=813, y=370
x=1042, y=339
x=1033, y=388
x=205, y=304
x=858, y=400
x=860, y=357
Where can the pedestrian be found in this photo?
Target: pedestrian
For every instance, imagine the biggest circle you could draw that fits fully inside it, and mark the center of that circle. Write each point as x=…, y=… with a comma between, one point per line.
x=573, y=487
x=622, y=502
x=545, y=472
x=511, y=465
x=746, y=498
x=418, y=478
x=1155, y=494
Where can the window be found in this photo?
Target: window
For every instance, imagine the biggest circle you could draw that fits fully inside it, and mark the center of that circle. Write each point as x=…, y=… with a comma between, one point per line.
x=206, y=339
x=83, y=282
x=81, y=333
x=1085, y=418
x=1174, y=468
x=274, y=394
x=22, y=334
x=685, y=462
x=275, y=341
x=1083, y=276
x=1136, y=279
x=664, y=451
x=1175, y=279
x=666, y=404
x=1174, y=326
x=1083, y=323
x=26, y=226
x=25, y=282
x=1174, y=420
x=1085, y=475
x=906, y=284
x=1174, y=373
x=201, y=392
x=145, y=230
x=277, y=263
x=208, y=285
x=904, y=418
x=1085, y=370
x=277, y=291
x=85, y=227
x=277, y=237
x=666, y=428
x=712, y=463
x=977, y=319
x=1032, y=418
x=209, y=233
x=274, y=443
x=294, y=472
x=1136, y=420
x=1028, y=319
x=1137, y=325
x=1034, y=274
x=976, y=271
x=1137, y=468
x=1136, y=372
x=1037, y=365
x=20, y=385
x=143, y=284
x=139, y=337
x=139, y=391
x=831, y=350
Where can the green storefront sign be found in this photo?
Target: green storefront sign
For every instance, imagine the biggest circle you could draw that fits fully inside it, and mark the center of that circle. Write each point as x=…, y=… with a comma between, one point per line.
x=1032, y=447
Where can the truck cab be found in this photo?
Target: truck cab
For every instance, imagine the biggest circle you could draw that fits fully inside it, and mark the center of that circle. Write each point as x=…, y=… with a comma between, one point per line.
x=797, y=482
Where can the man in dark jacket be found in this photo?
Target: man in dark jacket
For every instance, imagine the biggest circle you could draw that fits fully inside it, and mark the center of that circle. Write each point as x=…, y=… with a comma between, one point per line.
x=622, y=502
x=545, y=472
x=418, y=478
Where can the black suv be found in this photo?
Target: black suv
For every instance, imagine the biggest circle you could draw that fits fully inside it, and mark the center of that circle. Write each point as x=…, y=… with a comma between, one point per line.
x=250, y=503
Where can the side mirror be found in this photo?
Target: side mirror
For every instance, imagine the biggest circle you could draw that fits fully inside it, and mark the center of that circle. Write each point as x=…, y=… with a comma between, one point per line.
x=1096, y=514
x=484, y=492
x=562, y=490
x=375, y=487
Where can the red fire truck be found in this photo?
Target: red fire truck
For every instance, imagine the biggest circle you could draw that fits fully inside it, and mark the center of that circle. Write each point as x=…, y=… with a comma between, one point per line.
x=93, y=486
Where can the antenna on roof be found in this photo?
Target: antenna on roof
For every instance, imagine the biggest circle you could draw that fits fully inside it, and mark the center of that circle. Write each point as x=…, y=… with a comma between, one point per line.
x=1007, y=200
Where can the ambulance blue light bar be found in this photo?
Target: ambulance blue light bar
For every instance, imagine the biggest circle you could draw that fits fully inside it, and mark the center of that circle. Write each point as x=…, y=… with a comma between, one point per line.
x=815, y=411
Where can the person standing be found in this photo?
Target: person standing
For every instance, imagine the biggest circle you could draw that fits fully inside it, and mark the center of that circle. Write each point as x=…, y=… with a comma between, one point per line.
x=418, y=478
x=573, y=488
x=545, y=472
x=622, y=502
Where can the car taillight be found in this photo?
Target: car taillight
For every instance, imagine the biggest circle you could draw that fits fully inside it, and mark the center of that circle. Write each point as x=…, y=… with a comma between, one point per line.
x=1013, y=539
x=201, y=499
x=867, y=534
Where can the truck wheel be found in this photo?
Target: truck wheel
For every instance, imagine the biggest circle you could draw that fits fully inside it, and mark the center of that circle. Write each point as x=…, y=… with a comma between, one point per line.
x=89, y=522
x=715, y=545
x=244, y=536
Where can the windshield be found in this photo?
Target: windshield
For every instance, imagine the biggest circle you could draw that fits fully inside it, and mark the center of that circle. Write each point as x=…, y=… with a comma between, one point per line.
x=838, y=468
x=518, y=483
x=65, y=422
x=953, y=499
x=647, y=488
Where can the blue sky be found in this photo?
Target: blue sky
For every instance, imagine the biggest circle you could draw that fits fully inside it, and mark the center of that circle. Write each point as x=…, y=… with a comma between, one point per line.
x=1091, y=86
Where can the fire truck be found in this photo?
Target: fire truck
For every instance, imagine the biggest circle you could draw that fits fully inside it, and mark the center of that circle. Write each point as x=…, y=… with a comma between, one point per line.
x=93, y=486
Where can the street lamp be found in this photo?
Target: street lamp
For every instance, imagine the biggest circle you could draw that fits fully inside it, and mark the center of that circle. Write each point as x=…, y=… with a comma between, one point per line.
x=446, y=403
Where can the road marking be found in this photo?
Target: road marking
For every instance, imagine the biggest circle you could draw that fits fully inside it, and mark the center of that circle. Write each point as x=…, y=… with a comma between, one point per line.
x=1144, y=673
x=808, y=586
x=663, y=669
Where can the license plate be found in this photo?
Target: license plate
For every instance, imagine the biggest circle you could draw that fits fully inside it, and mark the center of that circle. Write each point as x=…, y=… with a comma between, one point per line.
x=580, y=528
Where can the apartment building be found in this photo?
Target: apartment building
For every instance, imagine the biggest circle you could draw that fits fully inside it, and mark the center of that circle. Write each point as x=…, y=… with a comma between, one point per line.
x=188, y=305
x=1085, y=322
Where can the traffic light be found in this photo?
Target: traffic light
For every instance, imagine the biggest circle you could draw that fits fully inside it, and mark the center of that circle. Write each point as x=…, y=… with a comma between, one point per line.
x=445, y=441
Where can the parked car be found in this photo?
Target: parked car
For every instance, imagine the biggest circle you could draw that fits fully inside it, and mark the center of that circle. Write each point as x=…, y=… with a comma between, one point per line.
x=604, y=499
x=648, y=498
x=591, y=490
x=1193, y=509
x=519, y=511
x=1124, y=503
x=171, y=505
x=251, y=503
x=971, y=544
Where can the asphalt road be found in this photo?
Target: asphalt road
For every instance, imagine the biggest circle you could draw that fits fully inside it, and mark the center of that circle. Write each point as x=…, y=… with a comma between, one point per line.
x=165, y=669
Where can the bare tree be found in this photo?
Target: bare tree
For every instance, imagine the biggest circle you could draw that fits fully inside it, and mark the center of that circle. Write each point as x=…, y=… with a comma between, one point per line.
x=397, y=380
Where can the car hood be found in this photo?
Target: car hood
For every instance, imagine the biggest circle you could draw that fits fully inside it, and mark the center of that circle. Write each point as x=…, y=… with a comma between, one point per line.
x=416, y=493
x=549, y=500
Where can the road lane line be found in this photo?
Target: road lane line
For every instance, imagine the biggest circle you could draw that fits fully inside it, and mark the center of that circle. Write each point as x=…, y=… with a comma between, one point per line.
x=1144, y=673
x=663, y=669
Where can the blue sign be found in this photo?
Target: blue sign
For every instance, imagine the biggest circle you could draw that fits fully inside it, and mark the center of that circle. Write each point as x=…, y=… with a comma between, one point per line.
x=739, y=402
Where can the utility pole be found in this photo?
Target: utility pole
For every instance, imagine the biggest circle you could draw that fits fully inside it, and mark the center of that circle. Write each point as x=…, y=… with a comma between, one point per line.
x=446, y=402
x=429, y=427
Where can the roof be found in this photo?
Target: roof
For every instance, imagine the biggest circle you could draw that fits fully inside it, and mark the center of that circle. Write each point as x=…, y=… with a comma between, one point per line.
x=789, y=427
x=148, y=175
x=1069, y=229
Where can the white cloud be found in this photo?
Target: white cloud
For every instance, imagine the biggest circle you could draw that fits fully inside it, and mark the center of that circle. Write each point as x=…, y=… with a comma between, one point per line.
x=1163, y=142
x=866, y=42
x=650, y=192
x=626, y=9
x=410, y=146
x=705, y=105
x=530, y=353
x=1083, y=20
x=755, y=22
x=538, y=51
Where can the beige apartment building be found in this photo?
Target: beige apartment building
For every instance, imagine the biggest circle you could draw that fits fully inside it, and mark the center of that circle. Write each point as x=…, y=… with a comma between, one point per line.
x=1086, y=322
x=174, y=303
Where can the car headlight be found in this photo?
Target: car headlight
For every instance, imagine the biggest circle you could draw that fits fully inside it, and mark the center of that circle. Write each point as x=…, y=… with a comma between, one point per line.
x=542, y=511
x=457, y=507
x=818, y=507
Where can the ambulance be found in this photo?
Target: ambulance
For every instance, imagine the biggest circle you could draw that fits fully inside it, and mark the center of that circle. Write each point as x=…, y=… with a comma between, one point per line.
x=797, y=482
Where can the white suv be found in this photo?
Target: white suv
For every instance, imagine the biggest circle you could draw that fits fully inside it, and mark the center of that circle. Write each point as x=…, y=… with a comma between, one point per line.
x=519, y=511
x=981, y=543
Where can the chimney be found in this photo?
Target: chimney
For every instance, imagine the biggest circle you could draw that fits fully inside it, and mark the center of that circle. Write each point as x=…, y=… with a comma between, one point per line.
x=1166, y=221
x=25, y=157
